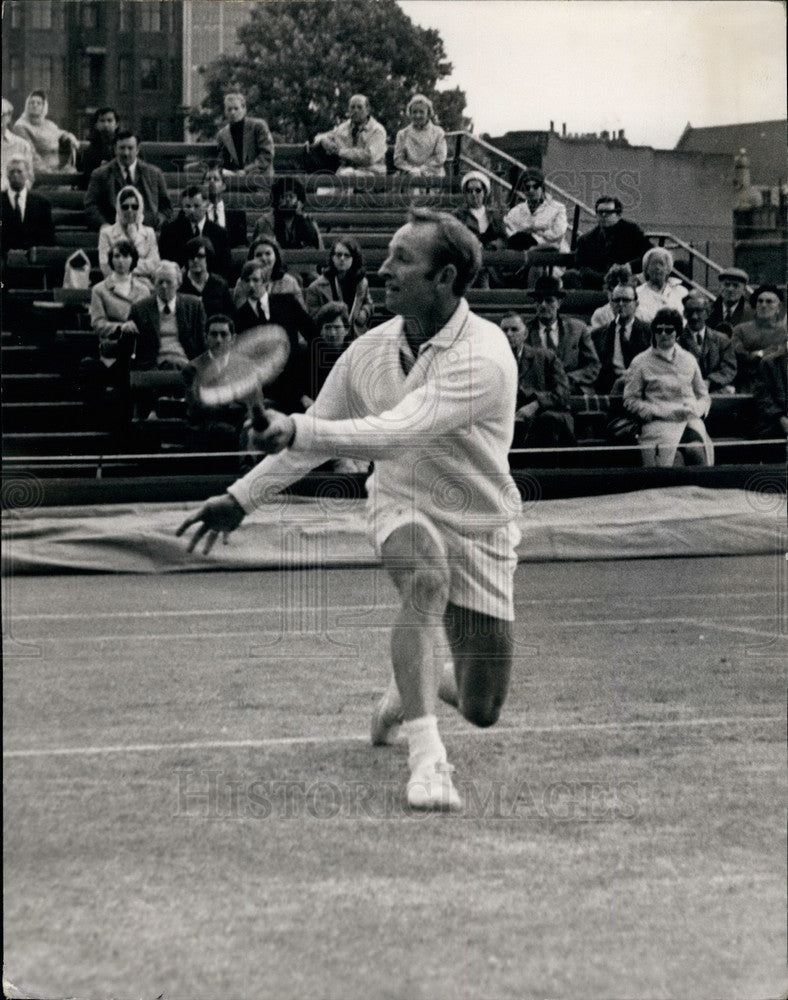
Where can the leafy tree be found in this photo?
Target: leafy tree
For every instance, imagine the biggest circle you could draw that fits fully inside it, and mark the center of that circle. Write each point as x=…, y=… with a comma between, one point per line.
x=303, y=59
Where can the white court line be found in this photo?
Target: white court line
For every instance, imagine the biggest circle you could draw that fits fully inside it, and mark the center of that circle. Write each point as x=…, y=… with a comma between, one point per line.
x=354, y=608
x=286, y=741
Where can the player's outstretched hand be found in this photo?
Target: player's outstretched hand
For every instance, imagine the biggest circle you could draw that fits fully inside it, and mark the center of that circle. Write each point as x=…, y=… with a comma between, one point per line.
x=221, y=514
x=271, y=431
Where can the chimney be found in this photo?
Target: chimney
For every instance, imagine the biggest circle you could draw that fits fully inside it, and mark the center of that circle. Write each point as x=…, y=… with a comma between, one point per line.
x=563, y=129
x=552, y=126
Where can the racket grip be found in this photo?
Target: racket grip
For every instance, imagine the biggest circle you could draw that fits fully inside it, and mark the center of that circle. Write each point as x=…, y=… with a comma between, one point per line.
x=259, y=419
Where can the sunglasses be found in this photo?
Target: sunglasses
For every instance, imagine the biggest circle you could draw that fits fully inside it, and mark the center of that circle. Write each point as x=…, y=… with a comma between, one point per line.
x=606, y=211
x=664, y=329
x=531, y=187
x=129, y=204
x=475, y=190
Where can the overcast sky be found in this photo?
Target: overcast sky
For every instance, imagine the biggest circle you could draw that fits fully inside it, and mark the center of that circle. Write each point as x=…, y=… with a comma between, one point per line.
x=647, y=66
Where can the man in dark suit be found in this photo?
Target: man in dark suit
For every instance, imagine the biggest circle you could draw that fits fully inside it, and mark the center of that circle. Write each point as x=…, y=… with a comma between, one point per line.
x=613, y=240
x=542, y=418
x=213, y=428
x=569, y=338
x=731, y=307
x=190, y=222
x=770, y=390
x=287, y=392
x=27, y=217
x=713, y=350
x=246, y=146
x=619, y=341
x=106, y=181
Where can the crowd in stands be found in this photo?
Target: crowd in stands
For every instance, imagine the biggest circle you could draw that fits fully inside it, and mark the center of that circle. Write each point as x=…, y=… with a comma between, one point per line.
x=165, y=312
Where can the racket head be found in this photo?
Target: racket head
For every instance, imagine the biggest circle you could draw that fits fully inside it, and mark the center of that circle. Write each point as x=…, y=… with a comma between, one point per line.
x=256, y=359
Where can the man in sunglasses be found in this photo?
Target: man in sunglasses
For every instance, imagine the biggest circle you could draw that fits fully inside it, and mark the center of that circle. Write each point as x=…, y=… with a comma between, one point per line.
x=613, y=240
x=619, y=341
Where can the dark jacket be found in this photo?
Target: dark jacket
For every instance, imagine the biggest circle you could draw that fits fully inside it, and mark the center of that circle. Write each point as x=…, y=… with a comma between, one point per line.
x=716, y=358
x=35, y=230
x=176, y=234
x=741, y=314
x=541, y=377
x=605, y=341
x=190, y=317
x=105, y=184
x=216, y=297
x=623, y=243
x=771, y=394
x=257, y=156
x=576, y=351
x=495, y=229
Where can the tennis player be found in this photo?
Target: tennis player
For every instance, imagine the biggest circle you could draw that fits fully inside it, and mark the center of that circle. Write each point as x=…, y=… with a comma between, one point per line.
x=429, y=397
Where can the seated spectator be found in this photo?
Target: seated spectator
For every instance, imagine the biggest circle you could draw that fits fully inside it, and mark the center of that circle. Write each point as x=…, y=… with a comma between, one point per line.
x=104, y=381
x=620, y=341
x=332, y=322
x=101, y=142
x=354, y=149
x=665, y=390
x=344, y=281
x=265, y=250
x=619, y=274
x=246, y=146
x=751, y=340
x=542, y=418
x=199, y=281
x=54, y=149
x=213, y=428
x=170, y=334
x=613, y=240
x=12, y=144
x=260, y=307
x=190, y=223
x=126, y=169
x=570, y=339
x=420, y=147
x=129, y=226
x=27, y=216
x=711, y=349
x=731, y=307
x=486, y=224
x=770, y=389
x=233, y=220
x=660, y=289
x=286, y=222
x=537, y=224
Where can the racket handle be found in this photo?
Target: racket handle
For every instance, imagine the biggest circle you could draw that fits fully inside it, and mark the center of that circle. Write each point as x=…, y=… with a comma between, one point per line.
x=259, y=419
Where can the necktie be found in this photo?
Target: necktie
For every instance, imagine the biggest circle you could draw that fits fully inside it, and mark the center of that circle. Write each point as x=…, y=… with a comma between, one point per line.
x=17, y=209
x=195, y=230
x=127, y=177
x=698, y=341
x=622, y=332
x=166, y=310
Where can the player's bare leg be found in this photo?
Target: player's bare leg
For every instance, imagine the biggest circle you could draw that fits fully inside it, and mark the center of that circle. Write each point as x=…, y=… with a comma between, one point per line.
x=418, y=568
x=482, y=650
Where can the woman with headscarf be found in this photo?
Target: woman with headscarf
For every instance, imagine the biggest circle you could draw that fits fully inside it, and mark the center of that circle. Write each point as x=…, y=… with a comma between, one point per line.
x=420, y=147
x=343, y=281
x=128, y=225
x=485, y=223
x=660, y=290
x=665, y=390
x=54, y=149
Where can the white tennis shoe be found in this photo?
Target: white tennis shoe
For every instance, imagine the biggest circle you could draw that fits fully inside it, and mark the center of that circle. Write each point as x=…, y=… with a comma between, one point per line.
x=431, y=787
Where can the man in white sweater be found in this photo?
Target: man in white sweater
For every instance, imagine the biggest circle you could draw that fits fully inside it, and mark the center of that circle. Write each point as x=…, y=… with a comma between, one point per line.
x=429, y=396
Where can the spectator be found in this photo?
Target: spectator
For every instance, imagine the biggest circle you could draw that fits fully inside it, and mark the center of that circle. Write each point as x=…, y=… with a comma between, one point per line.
x=711, y=349
x=199, y=281
x=101, y=143
x=666, y=392
x=265, y=250
x=613, y=240
x=620, y=341
x=54, y=149
x=344, y=281
x=420, y=147
x=104, y=381
x=246, y=147
x=751, y=340
x=190, y=223
x=213, y=428
x=12, y=144
x=537, y=224
x=770, y=389
x=485, y=223
x=619, y=274
x=170, y=334
x=354, y=149
x=129, y=226
x=126, y=169
x=660, y=290
x=287, y=392
x=293, y=230
x=731, y=307
x=542, y=418
x=233, y=220
x=569, y=338
x=332, y=322
x=27, y=216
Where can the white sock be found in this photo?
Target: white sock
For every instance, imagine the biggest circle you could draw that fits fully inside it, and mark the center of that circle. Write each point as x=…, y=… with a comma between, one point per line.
x=424, y=742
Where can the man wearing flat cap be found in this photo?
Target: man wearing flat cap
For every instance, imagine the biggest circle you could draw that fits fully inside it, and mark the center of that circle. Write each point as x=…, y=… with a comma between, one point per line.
x=569, y=338
x=287, y=222
x=731, y=308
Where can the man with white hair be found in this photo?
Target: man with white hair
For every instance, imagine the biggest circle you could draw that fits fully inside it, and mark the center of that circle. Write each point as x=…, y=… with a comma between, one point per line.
x=27, y=217
x=356, y=147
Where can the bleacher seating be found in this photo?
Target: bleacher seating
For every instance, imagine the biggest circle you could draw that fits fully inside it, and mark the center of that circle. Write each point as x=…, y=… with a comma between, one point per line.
x=46, y=328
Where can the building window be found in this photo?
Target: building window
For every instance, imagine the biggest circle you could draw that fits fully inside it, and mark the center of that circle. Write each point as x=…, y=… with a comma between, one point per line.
x=91, y=72
x=41, y=71
x=15, y=72
x=124, y=15
x=150, y=74
x=16, y=14
x=41, y=15
x=150, y=16
x=89, y=15
x=124, y=73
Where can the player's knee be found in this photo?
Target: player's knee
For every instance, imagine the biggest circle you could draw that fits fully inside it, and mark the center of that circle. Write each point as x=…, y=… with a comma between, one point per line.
x=429, y=588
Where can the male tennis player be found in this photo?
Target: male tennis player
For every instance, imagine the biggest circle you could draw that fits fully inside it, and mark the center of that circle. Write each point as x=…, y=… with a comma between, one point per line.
x=429, y=396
